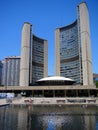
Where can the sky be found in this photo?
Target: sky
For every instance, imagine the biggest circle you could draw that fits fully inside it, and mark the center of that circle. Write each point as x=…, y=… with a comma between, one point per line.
x=45, y=16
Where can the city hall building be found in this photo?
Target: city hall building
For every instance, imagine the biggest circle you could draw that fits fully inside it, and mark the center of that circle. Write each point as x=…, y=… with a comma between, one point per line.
x=73, y=49
x=33, y=64
x=74, y=77
x=73, y=52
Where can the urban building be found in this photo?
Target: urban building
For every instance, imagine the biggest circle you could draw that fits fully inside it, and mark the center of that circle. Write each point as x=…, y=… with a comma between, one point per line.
x=95, y=77
x=11, y=71
x=0, y=72
x=73, y=63
x=73, y=49
x=33, y=57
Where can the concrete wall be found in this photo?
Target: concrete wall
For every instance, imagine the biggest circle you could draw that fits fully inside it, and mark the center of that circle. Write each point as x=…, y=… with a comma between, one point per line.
x=45, y=58
x=85, y=44
x=25, y=54
x=57, y=49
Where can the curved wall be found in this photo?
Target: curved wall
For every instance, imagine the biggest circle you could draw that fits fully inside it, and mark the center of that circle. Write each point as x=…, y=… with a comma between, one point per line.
x=33, y=57
x=37, y=58
x=73, y=49
x=69, y=52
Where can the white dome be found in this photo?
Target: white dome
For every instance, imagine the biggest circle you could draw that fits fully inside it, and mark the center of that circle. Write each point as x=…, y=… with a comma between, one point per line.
x=55, y=78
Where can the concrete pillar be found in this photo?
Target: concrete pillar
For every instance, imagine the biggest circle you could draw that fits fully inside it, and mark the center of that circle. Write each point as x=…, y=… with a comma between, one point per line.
x=43, y=93
x=65, y=92
x=45, y=58
x=32, y=93
x=76, y=93
x=57, y=49
x=88, y=93
x=85, y=44
x=25, y=54
x=53, y=93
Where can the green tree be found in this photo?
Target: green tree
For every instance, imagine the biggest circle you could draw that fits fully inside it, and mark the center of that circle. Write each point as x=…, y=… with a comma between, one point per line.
x=96, y=83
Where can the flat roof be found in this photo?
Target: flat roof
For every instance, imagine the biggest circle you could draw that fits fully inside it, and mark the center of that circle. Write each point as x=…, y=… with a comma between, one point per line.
x=61, y=87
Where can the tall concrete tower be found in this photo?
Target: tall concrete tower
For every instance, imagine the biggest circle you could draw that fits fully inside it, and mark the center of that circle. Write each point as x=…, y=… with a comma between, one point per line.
x=25, y=54
x=73, y=49
x=33, y=64
x=84, y=33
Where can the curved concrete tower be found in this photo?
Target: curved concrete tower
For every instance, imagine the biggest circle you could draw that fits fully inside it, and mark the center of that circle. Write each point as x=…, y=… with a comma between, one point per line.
x=73, y=49
x=83, y=18
x=25, y=54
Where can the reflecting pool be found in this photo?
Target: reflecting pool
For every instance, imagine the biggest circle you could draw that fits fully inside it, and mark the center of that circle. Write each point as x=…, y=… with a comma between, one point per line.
x=21, y=117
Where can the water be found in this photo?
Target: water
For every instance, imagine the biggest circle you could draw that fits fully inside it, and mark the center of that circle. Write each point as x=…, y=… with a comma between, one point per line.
x=48, y=118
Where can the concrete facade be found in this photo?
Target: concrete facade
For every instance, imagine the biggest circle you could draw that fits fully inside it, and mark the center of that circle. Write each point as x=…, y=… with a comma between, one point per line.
x=57, y=39
x=73, y=49
x=85, y=44
x=25, y=54
x=53, y=91
x=45, y=58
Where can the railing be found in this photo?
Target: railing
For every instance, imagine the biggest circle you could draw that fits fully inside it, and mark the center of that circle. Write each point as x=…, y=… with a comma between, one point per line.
x=63, y=101
x=55, y=101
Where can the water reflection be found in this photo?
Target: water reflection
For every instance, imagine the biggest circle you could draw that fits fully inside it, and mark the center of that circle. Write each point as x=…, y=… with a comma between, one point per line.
x=48, y=118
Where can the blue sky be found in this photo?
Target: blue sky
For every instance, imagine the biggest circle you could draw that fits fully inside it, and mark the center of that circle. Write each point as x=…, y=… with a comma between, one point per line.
x=45, y=16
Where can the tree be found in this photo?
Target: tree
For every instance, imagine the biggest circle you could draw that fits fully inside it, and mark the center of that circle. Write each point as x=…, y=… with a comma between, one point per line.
x=96, y=83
